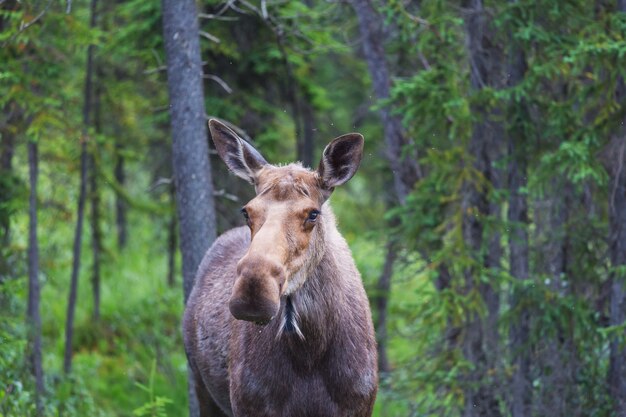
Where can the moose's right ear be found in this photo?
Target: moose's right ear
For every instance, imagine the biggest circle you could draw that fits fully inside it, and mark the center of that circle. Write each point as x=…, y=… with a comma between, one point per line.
x=240, y=157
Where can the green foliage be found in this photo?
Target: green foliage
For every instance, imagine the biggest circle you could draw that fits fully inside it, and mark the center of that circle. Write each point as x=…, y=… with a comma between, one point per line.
x=155, y=407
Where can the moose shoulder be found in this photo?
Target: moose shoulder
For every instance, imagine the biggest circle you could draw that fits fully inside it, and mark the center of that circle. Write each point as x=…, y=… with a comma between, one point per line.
x=278, y=323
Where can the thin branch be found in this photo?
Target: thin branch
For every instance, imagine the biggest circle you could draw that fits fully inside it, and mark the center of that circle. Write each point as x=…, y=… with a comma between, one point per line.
x=154, y=70
x=217, y=17
x=222, y=193
x=208, y=36
x=220, y=81
x=24, y=26
x=160, y=182
x=68, y=6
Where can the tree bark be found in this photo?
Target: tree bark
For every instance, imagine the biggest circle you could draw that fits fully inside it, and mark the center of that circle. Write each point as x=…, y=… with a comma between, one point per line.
x=171, y=241
x=617, y=247
x=518, y=243
x=382, y=298
x=405, y=168
x=308, y=134
x=615, y=162
x=7, y=149
x=480, y=339
x=33, y=314
x=190, y=153
x=96, y=238
x=94, y=197
x=120, y=204
x=71, y=304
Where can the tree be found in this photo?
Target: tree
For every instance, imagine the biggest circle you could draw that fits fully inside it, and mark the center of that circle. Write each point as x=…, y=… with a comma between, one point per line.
x=33, y=314
x=190, y=153
x=518, y=238
x=80, y=213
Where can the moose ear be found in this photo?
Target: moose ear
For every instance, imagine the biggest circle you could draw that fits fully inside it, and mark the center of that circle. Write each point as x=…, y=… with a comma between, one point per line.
x=340, y=160
x=240, y=157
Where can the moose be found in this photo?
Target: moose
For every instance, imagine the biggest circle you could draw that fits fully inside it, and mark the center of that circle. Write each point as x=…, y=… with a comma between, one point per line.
x=278, y=322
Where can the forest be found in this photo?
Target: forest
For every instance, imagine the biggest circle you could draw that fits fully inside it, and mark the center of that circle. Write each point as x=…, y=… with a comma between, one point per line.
x=487, y=219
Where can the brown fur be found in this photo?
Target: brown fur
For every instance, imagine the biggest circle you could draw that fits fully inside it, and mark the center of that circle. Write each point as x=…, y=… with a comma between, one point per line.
x=317, y=354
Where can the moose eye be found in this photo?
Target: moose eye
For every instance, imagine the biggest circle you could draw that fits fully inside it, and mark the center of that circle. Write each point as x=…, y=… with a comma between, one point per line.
x=245, y=214
x=313, y=215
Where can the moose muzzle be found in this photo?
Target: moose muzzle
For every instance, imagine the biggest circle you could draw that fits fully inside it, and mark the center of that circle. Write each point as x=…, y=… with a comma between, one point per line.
x=256, y=293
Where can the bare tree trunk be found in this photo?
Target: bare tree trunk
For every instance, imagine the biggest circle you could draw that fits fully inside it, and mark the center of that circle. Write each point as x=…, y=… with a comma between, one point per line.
x=71, y=304
x=94, y=197
x=120, y=204
x=405, y=168
x=480, y=340
x=518, y=245
x=308, y=135
x=171, y=241
x=33, y=314
x=8, y=117
x=190, y=153
x=615, y=162
x=7, y=149
x=616, y=165
x=518, y=250
x=382, y=298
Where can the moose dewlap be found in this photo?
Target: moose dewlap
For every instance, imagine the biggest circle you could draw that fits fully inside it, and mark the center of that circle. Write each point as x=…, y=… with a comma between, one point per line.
x=278, y=323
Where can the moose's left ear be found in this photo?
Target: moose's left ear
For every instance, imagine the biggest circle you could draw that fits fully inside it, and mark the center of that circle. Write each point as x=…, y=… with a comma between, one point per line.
x=340, y=160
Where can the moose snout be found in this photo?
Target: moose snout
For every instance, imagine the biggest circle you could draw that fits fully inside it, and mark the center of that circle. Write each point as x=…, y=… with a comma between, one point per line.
x=256, y=293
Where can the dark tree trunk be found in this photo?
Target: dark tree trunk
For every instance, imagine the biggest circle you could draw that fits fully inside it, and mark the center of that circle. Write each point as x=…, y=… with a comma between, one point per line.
x=94, y=197
x=616, y=166
x=382, y=298
x=480, y=339
x=171, y=241
x=405, y=167
x=96, y=238
x=7, y=185
x=615, y=162
x=71, y=304
x=33, y=314
x=518, y=243
x=120, y=204
x=518, y=250
x=308, y=135
x=190, y=153
x=7, y=149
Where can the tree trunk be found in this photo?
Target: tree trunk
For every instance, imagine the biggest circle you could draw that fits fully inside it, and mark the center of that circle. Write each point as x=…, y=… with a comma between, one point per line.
x=96, y=238
x=518, y=243
x=382, y=298
x=480, y=339
x=120, y=204
x=94, y=197
x=71, y=304
x=190, y=153
x=405, y=168
x=171, y=241
x=7, y=149
x=33, y=314
x=617, y=244
x=615, y=162
x=308, y=134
